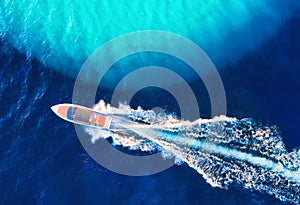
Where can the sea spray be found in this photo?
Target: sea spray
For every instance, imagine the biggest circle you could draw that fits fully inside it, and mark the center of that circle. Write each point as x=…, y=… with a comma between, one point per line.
x=227, y=152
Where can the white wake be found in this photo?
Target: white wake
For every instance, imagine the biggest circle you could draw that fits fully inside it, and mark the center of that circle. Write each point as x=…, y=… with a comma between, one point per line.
x=227, y=152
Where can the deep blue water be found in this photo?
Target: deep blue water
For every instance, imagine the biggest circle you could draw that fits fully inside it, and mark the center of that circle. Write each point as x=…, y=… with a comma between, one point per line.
x=42, y=161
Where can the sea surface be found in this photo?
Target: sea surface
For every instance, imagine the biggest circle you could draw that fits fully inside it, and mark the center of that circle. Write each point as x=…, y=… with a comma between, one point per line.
x=41, y=158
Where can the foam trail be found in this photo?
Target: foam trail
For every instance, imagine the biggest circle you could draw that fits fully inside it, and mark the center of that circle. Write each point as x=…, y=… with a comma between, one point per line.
x=227, y=152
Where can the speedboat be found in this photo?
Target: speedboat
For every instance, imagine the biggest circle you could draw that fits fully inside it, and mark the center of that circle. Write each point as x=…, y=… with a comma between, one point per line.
x=82, y=115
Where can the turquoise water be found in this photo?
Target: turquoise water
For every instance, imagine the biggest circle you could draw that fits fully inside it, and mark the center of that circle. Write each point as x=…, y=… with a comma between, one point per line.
x=62, y=34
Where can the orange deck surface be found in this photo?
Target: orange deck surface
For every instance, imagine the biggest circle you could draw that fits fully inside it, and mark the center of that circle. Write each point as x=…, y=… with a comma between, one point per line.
x=62, y=110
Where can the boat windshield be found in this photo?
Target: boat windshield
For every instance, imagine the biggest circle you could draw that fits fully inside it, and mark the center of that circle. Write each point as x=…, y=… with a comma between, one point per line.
x=82, y=115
